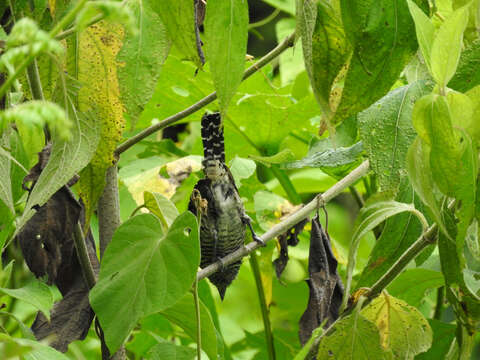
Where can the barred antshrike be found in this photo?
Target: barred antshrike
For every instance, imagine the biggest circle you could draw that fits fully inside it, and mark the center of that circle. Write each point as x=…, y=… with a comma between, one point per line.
x=215, y=198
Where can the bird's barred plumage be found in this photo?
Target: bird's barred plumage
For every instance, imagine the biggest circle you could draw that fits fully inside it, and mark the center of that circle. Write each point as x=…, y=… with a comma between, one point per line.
x=223, y=218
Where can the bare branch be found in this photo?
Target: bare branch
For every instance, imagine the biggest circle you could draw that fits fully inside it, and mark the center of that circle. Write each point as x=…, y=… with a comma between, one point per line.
x=288, y=42
x=292, y=220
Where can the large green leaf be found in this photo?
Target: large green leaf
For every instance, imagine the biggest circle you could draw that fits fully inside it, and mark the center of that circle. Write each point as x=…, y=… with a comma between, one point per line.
x=66, y=159
x=142, y=56
x=291, y=61
x=226, y=32
x=177, y=88
x=383, y=40
x=179, y=19
x=98, y=47
x=370, y=217
x=35, y=293
x=325, y=47
x=398, y=234
x=412, y=284
x=403, y=329
x=387, y=132
x=355, y=338
x=447, y=46
x=183, y=315
x=468, y=70
x=144, y=270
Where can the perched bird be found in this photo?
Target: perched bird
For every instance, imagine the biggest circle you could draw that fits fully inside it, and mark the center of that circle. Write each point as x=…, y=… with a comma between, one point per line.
x=216, y=200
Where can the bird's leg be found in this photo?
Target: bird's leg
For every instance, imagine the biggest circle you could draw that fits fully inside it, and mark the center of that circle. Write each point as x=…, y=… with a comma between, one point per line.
x=248, y=221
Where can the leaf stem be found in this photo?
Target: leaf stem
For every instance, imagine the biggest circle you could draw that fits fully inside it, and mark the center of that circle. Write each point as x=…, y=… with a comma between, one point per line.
x=265, y=21
x=286, y=184
x=83, y=258
x=197, y=315
x=263, y=306
x=280, y=48
x=292, y=220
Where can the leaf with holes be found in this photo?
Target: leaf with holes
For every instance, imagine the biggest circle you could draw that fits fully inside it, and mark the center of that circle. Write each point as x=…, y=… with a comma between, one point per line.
x=403, y=329
x=144, y=270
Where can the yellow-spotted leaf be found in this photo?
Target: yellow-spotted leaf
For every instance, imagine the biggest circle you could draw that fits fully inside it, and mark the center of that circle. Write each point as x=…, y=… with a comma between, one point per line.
x=98, y=48
x=403, y=329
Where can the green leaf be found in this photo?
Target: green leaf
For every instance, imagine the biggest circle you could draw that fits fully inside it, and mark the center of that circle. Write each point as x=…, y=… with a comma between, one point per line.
x=384, y=41
x=241, y=169
x=98, y=47
x=169, y=351
x=370, y=217
x=37, y=114
x=433, y=122
x=285, y=5
x=140, y=277
x=268, y=208
x=412, y=284
x=447, y=46
x=142, y=56
x=160, y=206
x=283, y=156
x=11, y=347
x=5, y=182
x=35, y=293
x=468, y=70
x=291, y=61
x=398, y=234
x=403, y=329
x=183, y=314
x=179, y=19
x=331, y=158
x=355, y=338
x=443, y=335
x=421, y=178
x=387, y=132
x=66, y=160
x=474, y=95
x=325, y=47
x=226, y=32
x=425, y=30
x=178, y=87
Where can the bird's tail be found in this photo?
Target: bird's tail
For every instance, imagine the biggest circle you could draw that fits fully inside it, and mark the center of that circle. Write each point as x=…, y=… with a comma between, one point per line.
x=212, y=137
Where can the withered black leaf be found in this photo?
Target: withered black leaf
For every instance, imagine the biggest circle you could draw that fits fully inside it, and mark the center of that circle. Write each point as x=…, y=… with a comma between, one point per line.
x=49, y=250
x=289, y=238
x=326, y=288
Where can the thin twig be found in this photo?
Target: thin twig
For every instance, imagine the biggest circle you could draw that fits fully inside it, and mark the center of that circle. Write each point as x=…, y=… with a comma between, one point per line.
x=292, y=220
x=263, y=307
x=288, y=42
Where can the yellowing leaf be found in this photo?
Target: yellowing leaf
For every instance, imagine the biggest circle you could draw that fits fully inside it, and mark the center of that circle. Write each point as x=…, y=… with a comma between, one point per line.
x=98, y=48
x=403, y=329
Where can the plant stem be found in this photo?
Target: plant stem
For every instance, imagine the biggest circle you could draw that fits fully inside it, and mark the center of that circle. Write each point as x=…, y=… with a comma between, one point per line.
x=67, y=19
x=356, y=195
x=72, y=30
x=265, y=21
x=292, y=220
x=427, y=238
x=439, y=305
x=286, y=184
x=197, y=315
x=108, y=209
x=83, y=257
x=263, y=306
x=288, y=42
